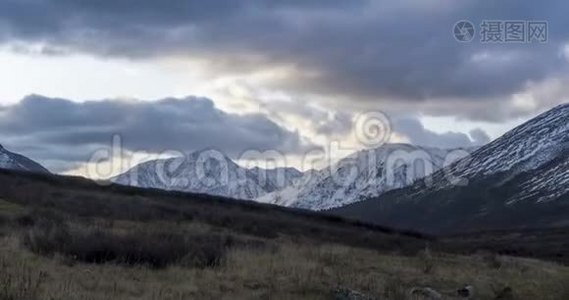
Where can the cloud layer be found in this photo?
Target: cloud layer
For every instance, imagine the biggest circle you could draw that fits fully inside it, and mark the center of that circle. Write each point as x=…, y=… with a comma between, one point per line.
x=394, y=53
x=417, y=134
x=310, y=65
x=61, y=132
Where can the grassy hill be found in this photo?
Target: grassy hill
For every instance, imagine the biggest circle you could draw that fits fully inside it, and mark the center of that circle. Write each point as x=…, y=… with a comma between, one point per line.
x=70, y=238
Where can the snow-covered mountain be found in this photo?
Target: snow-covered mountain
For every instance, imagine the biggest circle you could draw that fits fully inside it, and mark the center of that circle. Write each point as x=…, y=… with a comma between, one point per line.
x=207, y=172
x=519, y=180
x=364, y=174
x=525, y=148
x=274, y=179
x=13, y=161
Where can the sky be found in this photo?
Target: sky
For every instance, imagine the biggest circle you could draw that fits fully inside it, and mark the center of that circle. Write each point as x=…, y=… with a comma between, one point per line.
x=160, y=78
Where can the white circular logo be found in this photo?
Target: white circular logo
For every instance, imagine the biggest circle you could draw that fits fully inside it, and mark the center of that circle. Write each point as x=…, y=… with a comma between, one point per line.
x=373, y=129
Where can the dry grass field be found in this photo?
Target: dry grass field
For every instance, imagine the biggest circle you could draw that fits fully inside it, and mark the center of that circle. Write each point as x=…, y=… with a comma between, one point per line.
x=67, y=239
x=229, y=265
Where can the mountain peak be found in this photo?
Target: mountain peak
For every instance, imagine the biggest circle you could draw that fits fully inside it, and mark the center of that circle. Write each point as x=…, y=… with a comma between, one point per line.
x=198, y=172
x=13, y=161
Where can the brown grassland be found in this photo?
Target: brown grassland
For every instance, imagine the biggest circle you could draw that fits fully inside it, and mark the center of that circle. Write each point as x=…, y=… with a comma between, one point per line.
x=69, y=239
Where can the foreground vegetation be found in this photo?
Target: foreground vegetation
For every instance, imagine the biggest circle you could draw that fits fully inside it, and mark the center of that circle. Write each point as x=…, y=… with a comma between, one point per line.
x=48, y=255
x=63, y=238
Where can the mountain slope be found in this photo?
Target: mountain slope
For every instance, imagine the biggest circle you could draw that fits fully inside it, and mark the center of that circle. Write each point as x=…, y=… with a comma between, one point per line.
x=364, y=174
x=519, y=180
x=207, y=173
x=274, y=179
x=13, y=161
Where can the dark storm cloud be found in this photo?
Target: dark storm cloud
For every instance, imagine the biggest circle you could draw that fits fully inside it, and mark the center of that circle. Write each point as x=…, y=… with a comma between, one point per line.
x=64, y=130
x=417, y=134
x=396, y=52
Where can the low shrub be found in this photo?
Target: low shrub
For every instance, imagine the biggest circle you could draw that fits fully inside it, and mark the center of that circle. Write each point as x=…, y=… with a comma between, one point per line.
x=154, y=249
x=36, y=215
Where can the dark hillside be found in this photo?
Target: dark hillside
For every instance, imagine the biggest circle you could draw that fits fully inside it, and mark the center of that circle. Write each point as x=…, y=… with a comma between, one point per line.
x=83, y=198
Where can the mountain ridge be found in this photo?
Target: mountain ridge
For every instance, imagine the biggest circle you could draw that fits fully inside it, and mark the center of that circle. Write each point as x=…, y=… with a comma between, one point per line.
x=314, y=189
x=378, y=170
x=207, y=172
x=519, y=180
x=14, y=161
